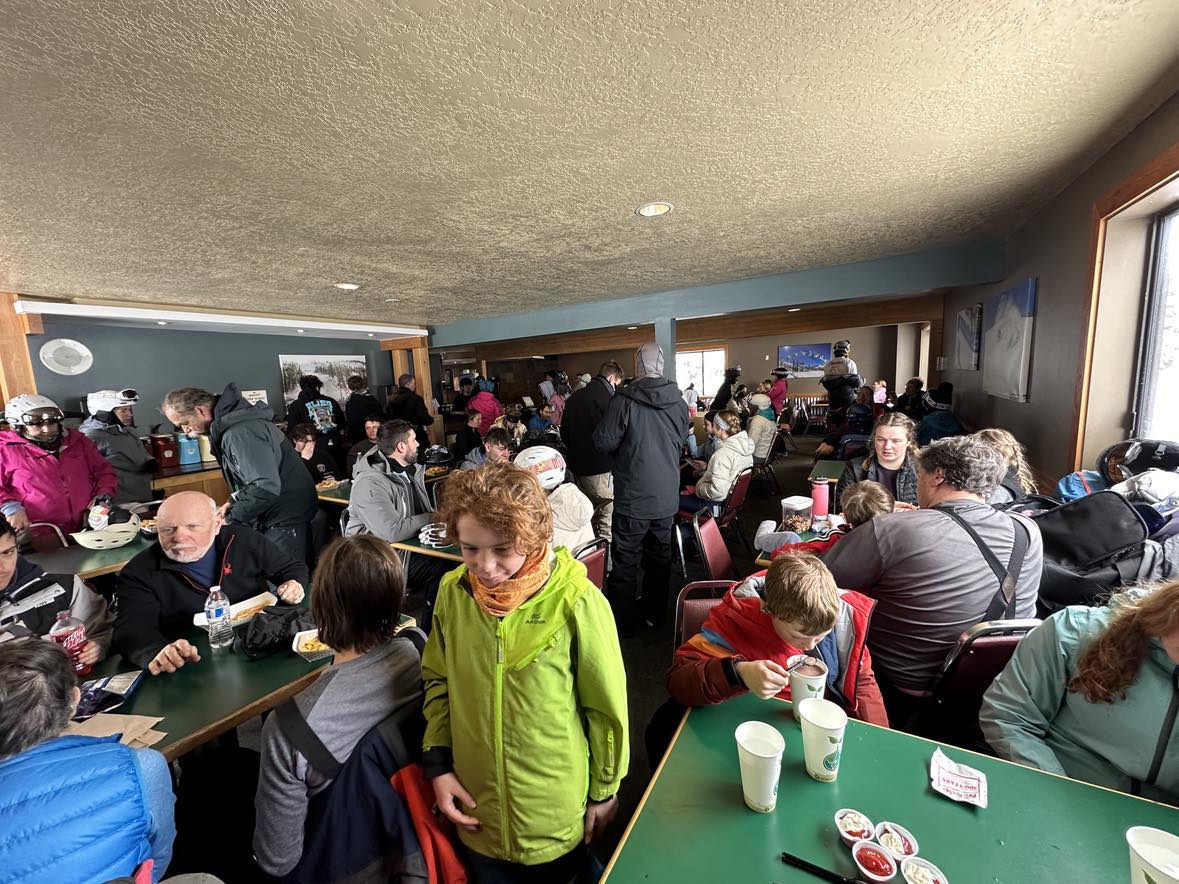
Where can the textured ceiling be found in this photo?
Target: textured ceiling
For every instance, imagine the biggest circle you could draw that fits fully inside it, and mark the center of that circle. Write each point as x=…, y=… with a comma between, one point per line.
x=474, y=158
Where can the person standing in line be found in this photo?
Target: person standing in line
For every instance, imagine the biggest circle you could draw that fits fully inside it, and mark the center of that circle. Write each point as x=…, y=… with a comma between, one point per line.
x=406, y=404
x=270, y=489
x=643, y=431
x=111, y=427
x=724, y=393
x=591, y=468
x=360, y=406
x=691, y=397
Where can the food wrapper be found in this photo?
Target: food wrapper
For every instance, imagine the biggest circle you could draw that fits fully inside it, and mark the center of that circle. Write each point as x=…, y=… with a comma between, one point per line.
x=957, y=781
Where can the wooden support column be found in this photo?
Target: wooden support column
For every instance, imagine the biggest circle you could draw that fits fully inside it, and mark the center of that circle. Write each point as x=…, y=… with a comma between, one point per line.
x=412, y=356
x=16, y=367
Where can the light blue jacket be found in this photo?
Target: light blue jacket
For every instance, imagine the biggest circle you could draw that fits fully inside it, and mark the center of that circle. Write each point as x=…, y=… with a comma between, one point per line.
x=1029, y=716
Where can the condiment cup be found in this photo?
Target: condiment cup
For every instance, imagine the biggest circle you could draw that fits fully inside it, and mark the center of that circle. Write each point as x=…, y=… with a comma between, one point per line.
x=860, y=846
x=917, y=862
x=847, y=839
x=900, y=830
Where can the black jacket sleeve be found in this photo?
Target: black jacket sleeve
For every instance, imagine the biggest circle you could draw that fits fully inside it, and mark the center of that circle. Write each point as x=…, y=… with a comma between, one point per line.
x=421, y=414
x=137, y=625
x=275, y=564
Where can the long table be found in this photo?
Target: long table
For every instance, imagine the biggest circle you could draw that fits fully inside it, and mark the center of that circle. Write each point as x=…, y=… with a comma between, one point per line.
x=692, y=824
x=414, y=545
x=87, y=563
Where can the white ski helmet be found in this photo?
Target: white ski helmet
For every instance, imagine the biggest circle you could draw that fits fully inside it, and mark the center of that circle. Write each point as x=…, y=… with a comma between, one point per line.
x=21, y=409
x=109, y=400
x=547, y=464
x=110, y=537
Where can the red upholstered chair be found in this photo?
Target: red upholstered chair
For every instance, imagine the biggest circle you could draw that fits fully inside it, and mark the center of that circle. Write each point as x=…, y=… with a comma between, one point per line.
x=978, y=657
x=718, y=564
x=692, y=606
x=729, y=514
x=592, y=554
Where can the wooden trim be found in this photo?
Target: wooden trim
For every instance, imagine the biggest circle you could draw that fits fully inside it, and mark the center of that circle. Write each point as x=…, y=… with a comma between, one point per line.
x=1159, y=172
x=403, y=343
x=190, y=741
x=32, y=323
x=16, y=365
x=400, y=365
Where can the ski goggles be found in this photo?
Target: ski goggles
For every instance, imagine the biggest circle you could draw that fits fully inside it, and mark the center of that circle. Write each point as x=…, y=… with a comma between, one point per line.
x=42, y=418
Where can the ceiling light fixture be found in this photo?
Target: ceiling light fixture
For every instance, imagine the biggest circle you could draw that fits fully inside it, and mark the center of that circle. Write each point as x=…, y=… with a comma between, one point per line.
x=348, y=286
x=392, y=300
x=631, y=327
x=793, y=309
x=161, y=322
x=371, y=335
x=299, y=330
x=653, y=210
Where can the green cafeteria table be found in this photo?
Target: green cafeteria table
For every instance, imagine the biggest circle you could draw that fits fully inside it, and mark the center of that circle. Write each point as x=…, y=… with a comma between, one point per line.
x=413, y=545
x=831, y=470
x=692, y=824
x=87, y=563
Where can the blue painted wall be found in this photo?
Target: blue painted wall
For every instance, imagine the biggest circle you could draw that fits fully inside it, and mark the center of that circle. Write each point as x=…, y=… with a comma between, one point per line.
x=902, y=274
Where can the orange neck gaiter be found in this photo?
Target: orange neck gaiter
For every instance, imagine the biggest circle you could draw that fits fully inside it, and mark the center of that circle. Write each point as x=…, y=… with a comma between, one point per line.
x=516, y=590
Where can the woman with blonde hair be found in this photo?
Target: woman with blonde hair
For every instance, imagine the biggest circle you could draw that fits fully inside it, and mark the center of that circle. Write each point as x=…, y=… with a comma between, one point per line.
x=1092, y=693
x=1019, y=482
x=891, y=460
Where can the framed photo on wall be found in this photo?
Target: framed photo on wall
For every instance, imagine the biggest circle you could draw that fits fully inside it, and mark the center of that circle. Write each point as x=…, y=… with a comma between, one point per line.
x=1008, y=322
x=967, y=338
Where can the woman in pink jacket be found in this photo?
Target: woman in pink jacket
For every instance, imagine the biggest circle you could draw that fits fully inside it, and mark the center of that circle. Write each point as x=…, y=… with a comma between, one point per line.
x=777, y=392
x=486, y=404
x=48, y=473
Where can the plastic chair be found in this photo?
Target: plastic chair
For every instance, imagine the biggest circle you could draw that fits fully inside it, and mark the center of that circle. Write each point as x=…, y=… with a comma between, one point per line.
x=692, y=606
x=816, y=416
x=593, y=554
x=730, y=511
x=718, y=564
x=976, y=659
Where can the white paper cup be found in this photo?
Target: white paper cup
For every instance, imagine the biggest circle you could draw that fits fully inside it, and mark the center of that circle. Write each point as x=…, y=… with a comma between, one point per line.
x=759, y=750
x=1154, y=856
x=806, y=687
x=823, y=724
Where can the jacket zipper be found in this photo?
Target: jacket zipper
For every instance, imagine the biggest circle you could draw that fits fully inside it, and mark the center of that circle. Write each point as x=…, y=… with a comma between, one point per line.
x=610, y=753
x=500, y=775
x=1160, y=749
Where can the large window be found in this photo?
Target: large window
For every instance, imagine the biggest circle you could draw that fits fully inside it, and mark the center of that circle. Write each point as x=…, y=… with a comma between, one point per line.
x=704, y=368
x=1158, y=374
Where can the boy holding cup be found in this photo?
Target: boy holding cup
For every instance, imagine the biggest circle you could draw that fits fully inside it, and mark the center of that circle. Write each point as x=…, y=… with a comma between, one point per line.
x=750, y=636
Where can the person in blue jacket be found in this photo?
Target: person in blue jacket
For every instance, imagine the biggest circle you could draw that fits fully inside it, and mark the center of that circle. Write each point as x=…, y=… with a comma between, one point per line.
x=72, y=808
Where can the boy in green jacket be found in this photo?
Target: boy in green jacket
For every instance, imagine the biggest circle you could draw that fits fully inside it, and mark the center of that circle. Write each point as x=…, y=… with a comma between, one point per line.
x=525, y=692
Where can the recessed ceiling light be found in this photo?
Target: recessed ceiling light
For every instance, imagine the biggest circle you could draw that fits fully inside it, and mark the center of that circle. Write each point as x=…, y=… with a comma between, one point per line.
x=371, y=335
x=793, y=309
x=299, y=330
x=392, y=300
x=653, y=210
x=348, y=286
x=631, y=327
x=161, y=322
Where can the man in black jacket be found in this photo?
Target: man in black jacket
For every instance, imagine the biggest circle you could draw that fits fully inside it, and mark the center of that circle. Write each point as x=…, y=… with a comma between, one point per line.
x=361, y=405
x=161, y=589
x=643, y=431
x=590, y=467
x=406, y=405
x=272, y=491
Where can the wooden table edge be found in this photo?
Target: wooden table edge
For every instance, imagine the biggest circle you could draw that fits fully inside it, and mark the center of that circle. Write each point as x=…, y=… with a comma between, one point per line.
x=335, y=500
x=190, y=741
x=427, y=551
x=105, y=569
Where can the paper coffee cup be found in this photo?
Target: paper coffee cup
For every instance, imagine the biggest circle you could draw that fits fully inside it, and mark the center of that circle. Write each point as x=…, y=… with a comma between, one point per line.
x=1154, y=856
x=823, y=724
x=806, y=687
x=759, y=751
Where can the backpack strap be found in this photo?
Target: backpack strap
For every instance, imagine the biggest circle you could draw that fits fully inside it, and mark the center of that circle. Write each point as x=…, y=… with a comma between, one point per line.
x=1002, y=605
x=296, y=729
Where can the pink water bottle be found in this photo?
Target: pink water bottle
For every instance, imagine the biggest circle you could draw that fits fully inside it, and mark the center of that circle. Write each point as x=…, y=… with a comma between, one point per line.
x=820, y=497
x=70, y=633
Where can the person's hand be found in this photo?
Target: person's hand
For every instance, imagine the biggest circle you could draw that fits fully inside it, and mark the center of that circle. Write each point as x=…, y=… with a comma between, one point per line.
x=901, y=506
x=173, y=656
x=290, y=592
x=764, y=678
x=824, y=449
x=448, y=792
x=90, y=654
x=598, y=815
x=19, y=520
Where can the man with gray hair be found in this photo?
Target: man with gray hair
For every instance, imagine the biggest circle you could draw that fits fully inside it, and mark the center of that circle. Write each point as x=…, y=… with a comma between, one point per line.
x=939, y=570
x=643, y=433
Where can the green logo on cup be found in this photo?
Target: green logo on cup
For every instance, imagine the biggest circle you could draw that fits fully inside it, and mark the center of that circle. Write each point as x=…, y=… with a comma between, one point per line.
x=812, y=688
x=831, y=762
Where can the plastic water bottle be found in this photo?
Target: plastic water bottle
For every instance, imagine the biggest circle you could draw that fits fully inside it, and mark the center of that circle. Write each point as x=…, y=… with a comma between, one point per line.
x=70, y=633
x=220, y=621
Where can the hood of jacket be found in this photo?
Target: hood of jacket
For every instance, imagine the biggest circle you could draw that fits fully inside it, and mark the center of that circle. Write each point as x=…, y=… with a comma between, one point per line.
x=739, y=442
x=232, y=409
x=655, y=393
x=571, y=509
x=377, y=464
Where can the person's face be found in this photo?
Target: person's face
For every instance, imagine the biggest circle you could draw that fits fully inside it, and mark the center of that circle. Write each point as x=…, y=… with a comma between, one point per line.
x=891, y=443
x=1170, y=641
x=927, y=487
x=411, y=384
x=547, y=412
x=306, y=443
x=194, y=423
x=125, y=414
x=912, y=389
x=43, y=431
x=371, y=428
x=187, y=531
x=475, y=420
x=409, y=448
x=793, y=635
x=498, y=453
x=486, y=554
x=7, y=559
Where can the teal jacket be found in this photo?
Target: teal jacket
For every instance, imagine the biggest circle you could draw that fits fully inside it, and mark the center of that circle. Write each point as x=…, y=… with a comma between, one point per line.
x=1028, y=715
x=528, y=711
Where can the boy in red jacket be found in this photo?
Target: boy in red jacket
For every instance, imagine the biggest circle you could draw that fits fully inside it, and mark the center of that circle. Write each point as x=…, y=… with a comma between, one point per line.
x=793, y=608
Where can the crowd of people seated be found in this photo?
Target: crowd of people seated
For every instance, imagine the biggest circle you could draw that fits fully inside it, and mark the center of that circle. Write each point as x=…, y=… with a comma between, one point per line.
x=509, y=700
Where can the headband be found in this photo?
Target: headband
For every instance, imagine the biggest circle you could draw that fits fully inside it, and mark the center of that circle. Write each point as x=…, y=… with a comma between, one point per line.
x=721, y=422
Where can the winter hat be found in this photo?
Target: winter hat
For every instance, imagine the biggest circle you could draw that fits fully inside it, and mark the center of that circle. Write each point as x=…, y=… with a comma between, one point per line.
x=842, y=348
x=486, y=386
x=650, y=360
x=941, y=396
x=760, y=401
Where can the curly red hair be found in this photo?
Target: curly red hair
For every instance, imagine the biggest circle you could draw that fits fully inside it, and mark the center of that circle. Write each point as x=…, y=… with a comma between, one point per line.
x=502, y=498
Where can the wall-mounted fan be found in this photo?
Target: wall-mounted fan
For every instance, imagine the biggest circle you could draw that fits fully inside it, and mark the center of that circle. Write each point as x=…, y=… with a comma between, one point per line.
x=66, y=356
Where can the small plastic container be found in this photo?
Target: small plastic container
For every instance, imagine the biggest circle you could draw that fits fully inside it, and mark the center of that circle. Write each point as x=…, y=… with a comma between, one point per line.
x=860, y=848
x=916, y=862
x=188, y=451
x=851, y=838
x=796, y=506
x=905, y=835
